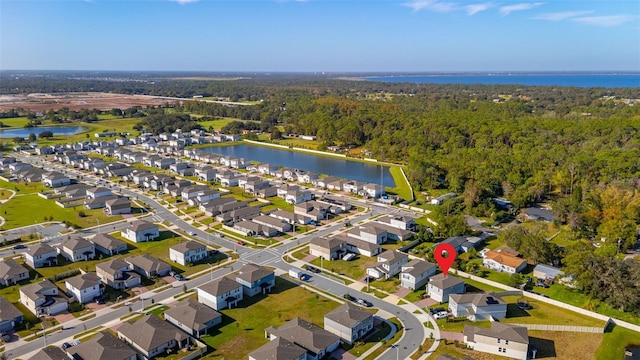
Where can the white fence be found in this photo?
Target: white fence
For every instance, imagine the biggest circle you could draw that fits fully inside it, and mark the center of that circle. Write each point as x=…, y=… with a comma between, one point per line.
x=583, y=329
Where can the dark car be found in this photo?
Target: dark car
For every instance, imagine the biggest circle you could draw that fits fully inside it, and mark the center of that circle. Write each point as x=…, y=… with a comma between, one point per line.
x=364, y=302
x=65, y=345
x=179, y=277
x=349, y=297
x=20, y=246
x=313, y=269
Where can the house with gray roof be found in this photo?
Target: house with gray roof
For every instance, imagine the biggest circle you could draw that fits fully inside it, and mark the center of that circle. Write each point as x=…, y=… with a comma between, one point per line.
x=440, y=287
x=506, y=340
x=77, y=249
x=118, y=206
x=279, y=349
x=140, y=231
x=220, y=293
x=117, y=273
x=152, y=336
x=43, y=298
x=108, y=245
x=84, y=287
x=11, y=272
x=10, y=316
x=416, y=273
x=478, y=306
x=193, y=317
x=349, y=322
x=50, y=353
x=103, y=346
x=546, y=272
x=41, y=255
x=317, y=341
x=389, y=264
x=328, y=248
x=255, y=279
x=188, y=252
x=148, y=266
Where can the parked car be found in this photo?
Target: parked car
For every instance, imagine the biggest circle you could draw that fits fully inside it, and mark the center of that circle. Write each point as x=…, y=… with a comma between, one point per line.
x=364, y=302
x=20, y=246
x=349, y=297
x=192, y=233
x=65, y=345
x=240, y=243
x=99, y=300
x=349, y=257
x=179, y=277
x=441, y=315
x=436, y=310
x=313, y=269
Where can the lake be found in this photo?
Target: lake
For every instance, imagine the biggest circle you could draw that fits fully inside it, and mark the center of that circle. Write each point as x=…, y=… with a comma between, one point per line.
x=606, y=80
x=353, y=170
x=56, y=130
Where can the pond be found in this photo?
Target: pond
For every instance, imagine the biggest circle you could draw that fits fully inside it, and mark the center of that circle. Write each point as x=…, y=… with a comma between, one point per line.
x=333, y=166
x=56, y=130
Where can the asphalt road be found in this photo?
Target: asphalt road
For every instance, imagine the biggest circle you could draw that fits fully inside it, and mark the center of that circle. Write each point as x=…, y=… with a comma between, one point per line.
x=407, y=345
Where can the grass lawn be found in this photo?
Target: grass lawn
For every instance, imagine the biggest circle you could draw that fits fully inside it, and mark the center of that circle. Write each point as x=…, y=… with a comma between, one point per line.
x=379, y=333
x=242, y=328
x=19, y=122
x=299, y=143
x=390, y=286
x=217, y=124
x=394, y=339
x=566, y=345
x=458, y=326
x=543, y=313
x=402, y=187
x=478, y=286
x=355, y=269
x=614, y=342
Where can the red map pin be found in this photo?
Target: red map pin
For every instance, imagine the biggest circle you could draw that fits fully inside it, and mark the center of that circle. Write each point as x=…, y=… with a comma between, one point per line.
x=445, y=262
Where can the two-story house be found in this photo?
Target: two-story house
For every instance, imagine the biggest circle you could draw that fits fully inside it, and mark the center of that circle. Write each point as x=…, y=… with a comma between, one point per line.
x=351, y=323
x=440, y=287
x=193, y=317
x=11, y=272
x=140, y=231
x=255, y=279
x=327, y=248
x=84, y=287
x=506, y=340
x=369, y=233
x=41, y=255
x=77, y=249
x=220, y=293
x=389, y=264
x=415, y=274
x=188, y=252
x=117, y=273
x=43, y=298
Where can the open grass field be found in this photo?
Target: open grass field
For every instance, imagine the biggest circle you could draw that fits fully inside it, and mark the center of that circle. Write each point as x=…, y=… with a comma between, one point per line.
x=242, y=328
x=402, y=188
x=27, y=208
x=217, y=124
x=614, y=341
x=565, y=345
x=354, y=269
x=543, y=313
x=17, y=122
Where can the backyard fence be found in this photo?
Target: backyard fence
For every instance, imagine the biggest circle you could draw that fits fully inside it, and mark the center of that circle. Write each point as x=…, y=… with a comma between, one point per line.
x=582, y=329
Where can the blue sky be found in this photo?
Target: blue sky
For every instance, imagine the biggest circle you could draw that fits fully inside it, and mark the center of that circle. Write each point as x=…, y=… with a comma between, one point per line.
x=320, y=35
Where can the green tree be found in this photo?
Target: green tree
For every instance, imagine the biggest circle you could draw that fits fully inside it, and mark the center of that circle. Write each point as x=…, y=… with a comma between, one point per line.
x=32, y=137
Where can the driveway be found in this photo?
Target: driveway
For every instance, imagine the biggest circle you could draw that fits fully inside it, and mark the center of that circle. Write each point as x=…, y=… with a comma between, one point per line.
x=449, y=335
x=402, y=292
x=425, y=303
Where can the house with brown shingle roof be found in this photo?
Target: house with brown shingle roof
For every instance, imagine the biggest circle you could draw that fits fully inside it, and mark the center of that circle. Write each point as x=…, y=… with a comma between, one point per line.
x=117, y=273
x=317, y=341
x=11, y=272
x=41, y=255
x=108, y=245
x=77, y=249
x=389, y=264
x=148, y=266
x=193, y=317
x=188, y=252
x=255, y=279
x=502, y=339
x=279, y=349
x=43, y=298
x=152, y=336
x=349, y=322
x=220, y=293
x=10, y=316
x=103, y=346
x=503, y=261
x=416, y=273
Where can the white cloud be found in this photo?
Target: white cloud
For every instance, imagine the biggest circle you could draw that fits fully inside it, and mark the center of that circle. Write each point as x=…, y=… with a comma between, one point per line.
x=508, y=9
x=557, y=16
x=476, y=8
x=433, y=5
x=610, y=20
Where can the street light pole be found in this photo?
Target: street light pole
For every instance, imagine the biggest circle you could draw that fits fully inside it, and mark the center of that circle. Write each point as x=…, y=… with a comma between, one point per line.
x=397, y=351
x=45, y=333
x=98, y=220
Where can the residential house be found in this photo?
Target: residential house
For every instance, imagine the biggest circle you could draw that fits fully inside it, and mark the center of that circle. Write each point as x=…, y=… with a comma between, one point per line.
x=148, y=266
x=266, y=192
x=41, y=255
x=102, y=346
x=11, y=272
x=506, y=340
x=317, y=341
x=393, y=233
x=279, y=349
x=108, y=245
x=84, y=287
x=351, y=323
x=415, y=274
x=152, y=336
x=220, y=293
x=118, y=206
x=546, y=272
x=267, y=169
x=255, y=279
x=389, y=264
x=478, y=306
x=328, y=248
x=372, y=190
x=440, y=199
x=244, y=213
x=214, y=207
x=312, y=209
x=272, y=222
x=290, y=217
x=323, y=182
x=54, y=180
x=192, y=191
x=193, y=317
x=49, y=353
x=353, y=187
x=140, y=231
x=97, y=192
x=539, y=214
x=397, y=221
x=361, y=247
x=369, y=233
x=117, y=274
x=43, y=298
x=188, y=252
x=10, y=316
x=503, y=261
x=250, y=228
x=77, y=249
x=297, y=196
x=204, y=197
x=440, y=287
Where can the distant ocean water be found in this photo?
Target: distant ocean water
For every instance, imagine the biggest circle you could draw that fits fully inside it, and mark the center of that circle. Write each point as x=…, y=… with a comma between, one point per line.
x=578, y=80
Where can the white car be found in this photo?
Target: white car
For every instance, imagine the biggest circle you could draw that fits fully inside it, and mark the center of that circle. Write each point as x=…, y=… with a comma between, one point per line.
x=192, y=233
x=441, y=315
